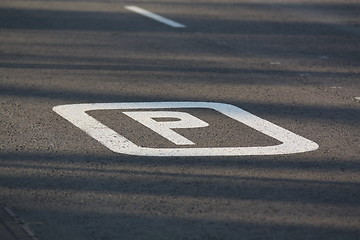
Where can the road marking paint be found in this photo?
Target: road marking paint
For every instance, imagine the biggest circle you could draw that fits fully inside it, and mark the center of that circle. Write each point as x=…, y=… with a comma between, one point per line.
x=76, y=114
x=155, y=17
x=165, y=128
x=357, y=99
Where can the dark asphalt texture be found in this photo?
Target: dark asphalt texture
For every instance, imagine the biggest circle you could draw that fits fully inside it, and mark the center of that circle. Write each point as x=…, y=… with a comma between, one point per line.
x=294, y=63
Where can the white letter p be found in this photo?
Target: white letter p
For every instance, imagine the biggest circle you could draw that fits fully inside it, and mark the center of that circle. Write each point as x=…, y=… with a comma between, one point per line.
x=164, y=128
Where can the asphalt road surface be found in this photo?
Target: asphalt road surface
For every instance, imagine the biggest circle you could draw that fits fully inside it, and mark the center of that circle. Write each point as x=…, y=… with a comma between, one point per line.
x=294, y=63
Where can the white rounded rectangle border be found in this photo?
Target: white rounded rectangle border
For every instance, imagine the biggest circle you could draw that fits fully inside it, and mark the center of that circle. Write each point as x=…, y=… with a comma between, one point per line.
x=76, y=114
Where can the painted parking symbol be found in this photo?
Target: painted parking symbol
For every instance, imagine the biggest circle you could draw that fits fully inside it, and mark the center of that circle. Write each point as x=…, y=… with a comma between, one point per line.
x=148, y=113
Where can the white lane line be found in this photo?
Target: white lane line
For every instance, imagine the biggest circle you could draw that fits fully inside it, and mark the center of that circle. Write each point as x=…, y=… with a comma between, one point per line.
x=155, y=17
